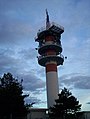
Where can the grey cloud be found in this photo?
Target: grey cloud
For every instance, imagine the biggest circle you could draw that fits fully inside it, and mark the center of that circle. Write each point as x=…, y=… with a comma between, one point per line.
x=88, y=103
x=17, y=66
x=78, y=13
x=14, y=32
x=34, y=97
x=33, y=85
x=6, y=60
x=16, y=23
x=14, y=26
x=41, y=71
x=78, y=81
x=39, y=91
x=34, y=100
x=32, y=82
x=15, y=61
x=29, y=100
x=28, y=54
x=77, y=56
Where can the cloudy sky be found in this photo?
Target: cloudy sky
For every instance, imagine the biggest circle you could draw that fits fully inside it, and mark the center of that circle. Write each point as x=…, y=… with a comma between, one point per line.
x=19, y=23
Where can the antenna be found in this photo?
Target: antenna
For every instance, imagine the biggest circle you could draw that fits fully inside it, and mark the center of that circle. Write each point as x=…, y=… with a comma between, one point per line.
x=47, y=16
x=47, y=20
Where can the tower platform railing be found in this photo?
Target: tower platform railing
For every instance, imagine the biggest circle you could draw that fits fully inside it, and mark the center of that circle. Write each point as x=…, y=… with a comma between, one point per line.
x=59, y=59
x=48, y=43
x=55, y=24
x=51, y=24
x=42, y=56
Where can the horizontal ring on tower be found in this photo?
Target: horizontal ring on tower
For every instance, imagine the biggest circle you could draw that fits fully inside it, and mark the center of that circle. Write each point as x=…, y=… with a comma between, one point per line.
x=57, y=47
x=59, y=59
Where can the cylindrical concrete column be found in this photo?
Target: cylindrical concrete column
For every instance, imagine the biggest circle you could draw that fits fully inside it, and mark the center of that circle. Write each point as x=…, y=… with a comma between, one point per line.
x=51, y=83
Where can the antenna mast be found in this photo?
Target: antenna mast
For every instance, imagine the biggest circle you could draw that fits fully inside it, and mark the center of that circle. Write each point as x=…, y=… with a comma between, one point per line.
x=47, y=20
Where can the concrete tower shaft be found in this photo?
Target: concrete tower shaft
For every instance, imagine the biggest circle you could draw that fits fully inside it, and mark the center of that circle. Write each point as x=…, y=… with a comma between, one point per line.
x=50, y=50
x=51, y=83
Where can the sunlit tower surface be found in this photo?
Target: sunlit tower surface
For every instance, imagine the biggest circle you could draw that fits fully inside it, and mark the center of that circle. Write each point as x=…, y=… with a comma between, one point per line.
x=50, y=56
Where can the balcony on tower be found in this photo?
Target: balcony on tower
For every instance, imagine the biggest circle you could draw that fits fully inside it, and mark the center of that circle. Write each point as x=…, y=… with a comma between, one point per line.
x=52, y=45
x=43, y=59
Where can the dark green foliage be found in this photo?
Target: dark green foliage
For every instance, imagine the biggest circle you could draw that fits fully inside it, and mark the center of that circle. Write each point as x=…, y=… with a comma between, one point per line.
x=11, y=98
x=66, y=106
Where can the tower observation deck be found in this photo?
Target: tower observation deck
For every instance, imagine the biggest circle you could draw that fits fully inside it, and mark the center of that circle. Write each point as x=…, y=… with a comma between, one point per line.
x=50, y=56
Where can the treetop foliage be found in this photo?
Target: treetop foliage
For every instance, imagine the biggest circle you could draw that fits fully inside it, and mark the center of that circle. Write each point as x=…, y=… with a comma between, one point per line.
x=11, y=97
x=65, y=105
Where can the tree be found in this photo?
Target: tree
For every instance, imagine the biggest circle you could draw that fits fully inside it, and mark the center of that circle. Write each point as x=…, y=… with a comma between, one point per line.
x=66, y=106
x=11, y=97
